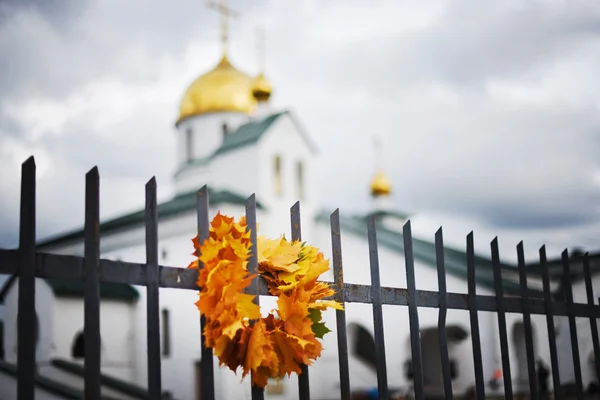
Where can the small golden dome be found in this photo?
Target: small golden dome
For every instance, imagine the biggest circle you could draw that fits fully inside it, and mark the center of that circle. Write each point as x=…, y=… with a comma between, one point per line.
x=224, y=88
x=381, y=185
x=261, y=88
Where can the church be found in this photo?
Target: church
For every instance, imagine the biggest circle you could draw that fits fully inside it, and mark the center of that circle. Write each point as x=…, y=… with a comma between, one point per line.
x=231, y=139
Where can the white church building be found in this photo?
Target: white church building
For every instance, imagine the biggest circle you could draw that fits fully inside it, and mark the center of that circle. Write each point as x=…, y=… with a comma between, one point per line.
x=230, y=139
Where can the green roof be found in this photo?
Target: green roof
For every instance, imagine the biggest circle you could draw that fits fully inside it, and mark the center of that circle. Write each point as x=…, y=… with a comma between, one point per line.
x=247, y=134
x=108, y=290
x=424, y=251
x=180, y=204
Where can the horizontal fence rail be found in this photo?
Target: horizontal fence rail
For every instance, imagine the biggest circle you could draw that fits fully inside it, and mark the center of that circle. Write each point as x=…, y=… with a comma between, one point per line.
x=26, y=264
x=71, y=267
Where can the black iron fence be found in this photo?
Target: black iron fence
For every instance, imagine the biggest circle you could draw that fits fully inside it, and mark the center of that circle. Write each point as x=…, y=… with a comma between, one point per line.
x=27, y=264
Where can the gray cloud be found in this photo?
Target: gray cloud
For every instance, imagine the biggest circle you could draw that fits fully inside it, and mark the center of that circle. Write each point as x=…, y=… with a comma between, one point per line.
x=76, y=42
x=488, y=110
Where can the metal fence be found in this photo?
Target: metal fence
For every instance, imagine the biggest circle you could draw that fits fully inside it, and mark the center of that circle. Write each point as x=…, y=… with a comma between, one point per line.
x=27, y=264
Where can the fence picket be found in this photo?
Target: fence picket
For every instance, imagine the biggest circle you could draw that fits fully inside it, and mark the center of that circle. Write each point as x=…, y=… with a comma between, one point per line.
x=572, y=323
x=593, y=323
x=479, y=382
x=499, y=289
x=340, y=315
x=257, y=393
x=207, y=385
x=382, y=385
x=27, y=329
x=303, y=379
x=531, y=367
x=549, y=310
x=413, y=314
x=91, y=327
x=443, y=305
x=152, y=300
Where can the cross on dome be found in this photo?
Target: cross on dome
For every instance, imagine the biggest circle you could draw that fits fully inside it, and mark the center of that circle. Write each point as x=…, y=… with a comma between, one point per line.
x=225, y=12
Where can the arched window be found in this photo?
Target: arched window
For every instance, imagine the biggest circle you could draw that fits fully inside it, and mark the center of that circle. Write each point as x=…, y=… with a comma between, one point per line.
x=300, y=177
x=78, y=347
x=363, y=345
x=278, y=178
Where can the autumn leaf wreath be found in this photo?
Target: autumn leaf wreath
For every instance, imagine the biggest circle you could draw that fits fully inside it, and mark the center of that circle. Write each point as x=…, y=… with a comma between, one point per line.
x=272, y=346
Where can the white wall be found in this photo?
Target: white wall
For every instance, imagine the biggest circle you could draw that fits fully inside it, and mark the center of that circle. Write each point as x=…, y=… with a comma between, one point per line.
x=116, y=334
x=237, y=171
x=284, y=140
x=44, y=301
x=59, y=321
x=207, y=133
x=177, y=368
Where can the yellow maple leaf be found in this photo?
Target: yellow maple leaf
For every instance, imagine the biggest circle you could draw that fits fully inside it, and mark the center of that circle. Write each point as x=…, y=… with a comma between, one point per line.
x=288, y=351
x=246, y=307
x=324, y=304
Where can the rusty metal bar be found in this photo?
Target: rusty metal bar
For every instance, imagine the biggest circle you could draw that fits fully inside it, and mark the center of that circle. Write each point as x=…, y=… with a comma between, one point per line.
x=206, y=367
x=531, y=369
x=152, y=300
x=572, y=323
x=71, y=267
x=91, y=327
x=27, y=325
x=504, y=349
x=477, y=360
x=382, y=385
x=549, y=311
x=413, y=314
x=340, y=315
x=443, y=305
x=303, y=379
x=257, y=393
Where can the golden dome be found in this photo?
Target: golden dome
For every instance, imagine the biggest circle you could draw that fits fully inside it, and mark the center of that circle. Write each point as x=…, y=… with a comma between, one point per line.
x=261, y=88
x=224, y=88
x=381, y=185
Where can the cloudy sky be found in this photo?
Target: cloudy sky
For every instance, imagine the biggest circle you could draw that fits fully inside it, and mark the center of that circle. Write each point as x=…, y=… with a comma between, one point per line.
x=489, y=110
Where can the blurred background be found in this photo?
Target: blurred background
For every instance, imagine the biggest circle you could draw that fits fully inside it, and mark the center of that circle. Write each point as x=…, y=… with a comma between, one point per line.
x=487, y=111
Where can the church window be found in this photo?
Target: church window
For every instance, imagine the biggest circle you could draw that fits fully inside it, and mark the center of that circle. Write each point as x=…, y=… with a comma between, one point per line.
x=453, y=369
x=166, y=339
x=364, y=346
x=278, y=177
x=189, y=144
x=78, y=347
x=225, y=129
x=408, y=370
x=300, y=177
